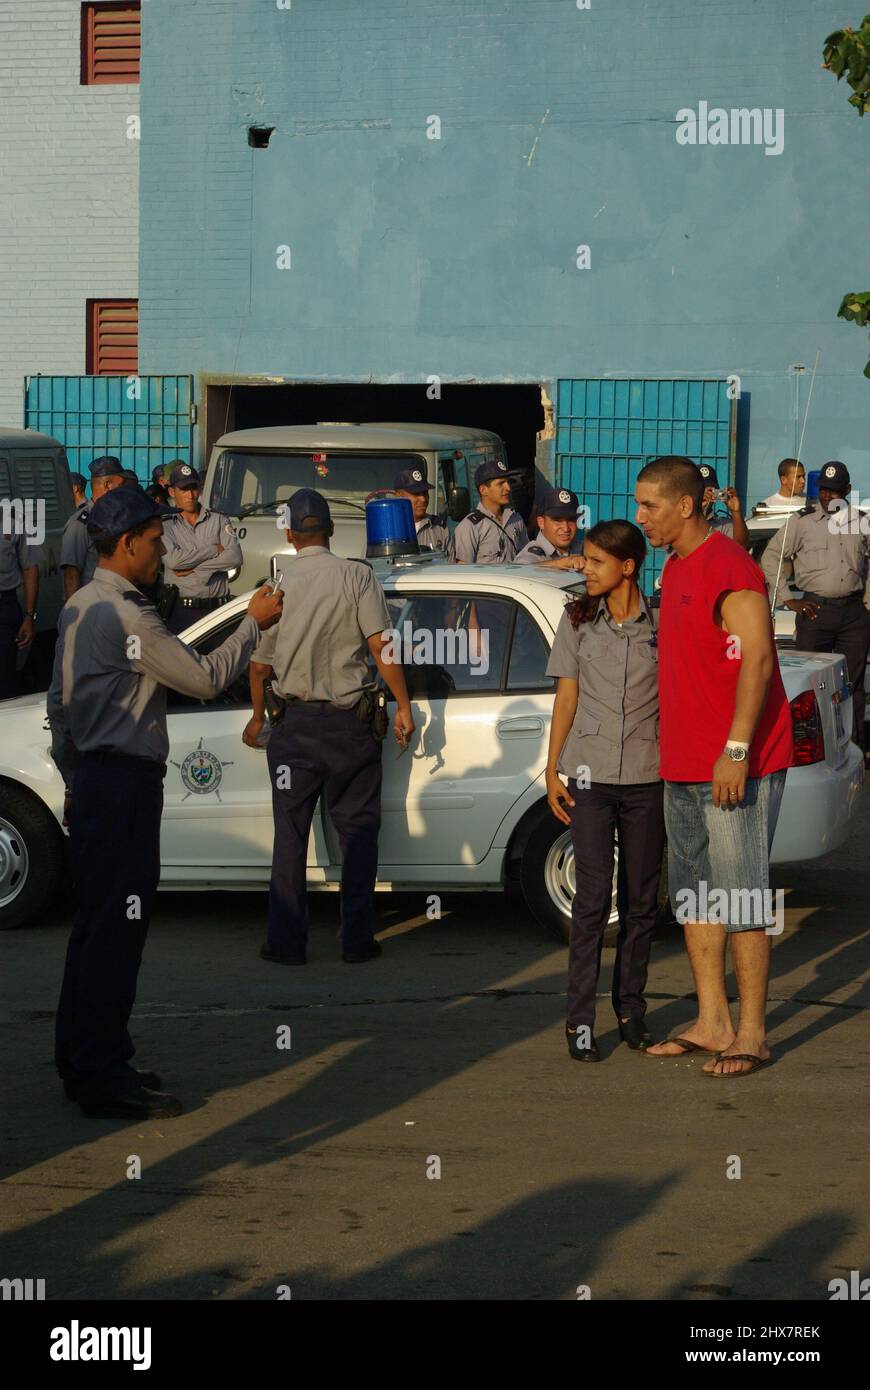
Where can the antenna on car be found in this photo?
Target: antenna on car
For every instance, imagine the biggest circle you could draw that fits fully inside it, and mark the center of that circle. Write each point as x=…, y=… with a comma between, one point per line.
x=793, y=480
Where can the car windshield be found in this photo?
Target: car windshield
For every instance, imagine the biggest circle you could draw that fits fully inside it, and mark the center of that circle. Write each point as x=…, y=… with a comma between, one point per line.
x=250, y=482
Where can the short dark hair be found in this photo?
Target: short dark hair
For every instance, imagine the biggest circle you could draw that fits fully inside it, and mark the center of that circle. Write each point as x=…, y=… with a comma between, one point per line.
x=106, y=544
x=78, y=480
x=677, y=476
x=787, y=465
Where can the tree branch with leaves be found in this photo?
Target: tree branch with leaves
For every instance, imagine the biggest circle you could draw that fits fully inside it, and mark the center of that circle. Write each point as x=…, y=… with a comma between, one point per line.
x=847, y=54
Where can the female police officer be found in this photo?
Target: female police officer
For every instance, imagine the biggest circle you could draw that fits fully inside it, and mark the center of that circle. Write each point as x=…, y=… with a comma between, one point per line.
x=604, y=738
x=107, y=711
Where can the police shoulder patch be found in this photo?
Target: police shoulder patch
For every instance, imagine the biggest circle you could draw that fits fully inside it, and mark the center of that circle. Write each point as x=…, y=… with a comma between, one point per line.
x=536, y=550
x=475, y=518
x=134, y=596
x=83, y=516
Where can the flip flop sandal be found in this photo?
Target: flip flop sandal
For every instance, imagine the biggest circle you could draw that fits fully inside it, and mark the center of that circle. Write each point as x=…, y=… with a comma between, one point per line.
x=683, y=1043
x=758, y=1063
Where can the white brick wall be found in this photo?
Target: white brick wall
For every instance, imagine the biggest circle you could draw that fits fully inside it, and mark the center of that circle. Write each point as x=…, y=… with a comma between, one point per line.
x=68, y=195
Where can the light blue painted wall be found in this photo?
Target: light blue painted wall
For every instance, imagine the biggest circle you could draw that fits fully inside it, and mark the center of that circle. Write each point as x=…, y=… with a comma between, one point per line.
x=455, y=256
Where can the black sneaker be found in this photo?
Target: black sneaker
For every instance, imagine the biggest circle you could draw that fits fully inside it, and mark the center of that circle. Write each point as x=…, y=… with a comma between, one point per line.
x=140, y=1104
x=367, y=953
x=149, y=1079
x=268, y=952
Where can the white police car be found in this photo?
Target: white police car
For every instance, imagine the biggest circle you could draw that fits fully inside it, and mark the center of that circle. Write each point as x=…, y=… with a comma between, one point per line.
x=464, y=809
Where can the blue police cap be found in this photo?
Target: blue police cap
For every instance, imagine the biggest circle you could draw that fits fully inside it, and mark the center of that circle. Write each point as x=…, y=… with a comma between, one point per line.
x=708, y=474
x=121, y=510
x=412, y=480
x=494, y=468
x=835, y=475
x=183, y=475
x=308, y=511
x=106, y=466
x=558, y=501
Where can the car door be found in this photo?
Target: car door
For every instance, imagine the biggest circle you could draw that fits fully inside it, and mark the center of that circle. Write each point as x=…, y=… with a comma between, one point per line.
x=482, y=706
x=217, y=794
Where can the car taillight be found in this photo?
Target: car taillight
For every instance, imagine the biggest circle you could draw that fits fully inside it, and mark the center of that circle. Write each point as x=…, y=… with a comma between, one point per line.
x=806, y=721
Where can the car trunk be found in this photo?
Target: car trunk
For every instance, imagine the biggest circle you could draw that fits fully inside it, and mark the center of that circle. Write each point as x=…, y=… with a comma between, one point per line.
x=825, y=674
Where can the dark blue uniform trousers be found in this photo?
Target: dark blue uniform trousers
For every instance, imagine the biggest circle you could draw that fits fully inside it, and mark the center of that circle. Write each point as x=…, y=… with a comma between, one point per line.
x=320, y=748
x=115, y=840
x=11, y=618
x=634, y=813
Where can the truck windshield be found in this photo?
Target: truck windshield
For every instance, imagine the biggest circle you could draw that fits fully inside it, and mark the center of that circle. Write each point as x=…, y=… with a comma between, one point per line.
x=252, y=482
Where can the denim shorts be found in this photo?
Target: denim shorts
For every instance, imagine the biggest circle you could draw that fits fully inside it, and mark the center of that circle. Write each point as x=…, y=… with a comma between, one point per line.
x=718, y=859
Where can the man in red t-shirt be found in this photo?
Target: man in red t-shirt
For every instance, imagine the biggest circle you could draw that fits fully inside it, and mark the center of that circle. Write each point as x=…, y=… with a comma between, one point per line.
x=726, y=743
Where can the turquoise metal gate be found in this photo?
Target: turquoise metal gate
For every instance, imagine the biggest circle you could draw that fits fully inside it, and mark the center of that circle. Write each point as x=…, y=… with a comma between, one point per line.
x=607, y=430
x=144, y=420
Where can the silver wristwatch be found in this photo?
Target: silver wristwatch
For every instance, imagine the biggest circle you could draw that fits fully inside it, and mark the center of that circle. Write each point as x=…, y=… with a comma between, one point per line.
x=737, y=752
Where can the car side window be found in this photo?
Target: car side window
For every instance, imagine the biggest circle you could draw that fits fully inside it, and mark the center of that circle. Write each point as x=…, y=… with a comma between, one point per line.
x=449, y=644
x=237, y=695
x=530, y=653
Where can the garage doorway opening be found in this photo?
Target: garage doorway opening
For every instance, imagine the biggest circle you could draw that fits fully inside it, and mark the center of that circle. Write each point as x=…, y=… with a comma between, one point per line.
x=514, y=412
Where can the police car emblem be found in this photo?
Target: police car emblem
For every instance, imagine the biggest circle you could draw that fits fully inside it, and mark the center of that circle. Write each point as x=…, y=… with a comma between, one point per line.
x=417, y=476
x=564, y=496
x=830, y=472
x=201, y=772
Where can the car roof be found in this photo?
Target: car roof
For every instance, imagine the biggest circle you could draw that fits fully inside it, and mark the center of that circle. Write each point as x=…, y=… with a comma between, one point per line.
x=14, y=439
x=378, y=435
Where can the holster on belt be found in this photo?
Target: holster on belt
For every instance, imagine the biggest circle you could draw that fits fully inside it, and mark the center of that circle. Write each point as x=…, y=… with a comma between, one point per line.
x=372, y=709
x=165, y=600
x=275, y=703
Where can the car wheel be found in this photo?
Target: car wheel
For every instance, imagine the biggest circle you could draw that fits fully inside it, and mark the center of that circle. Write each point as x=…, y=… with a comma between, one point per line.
x=32, y=858
x=548, y=879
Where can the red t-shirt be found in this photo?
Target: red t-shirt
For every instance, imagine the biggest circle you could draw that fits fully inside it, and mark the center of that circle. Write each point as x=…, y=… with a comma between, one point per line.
x=697, y=677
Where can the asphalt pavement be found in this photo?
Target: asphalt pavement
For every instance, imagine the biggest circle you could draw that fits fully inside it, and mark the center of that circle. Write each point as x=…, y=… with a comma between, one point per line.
x=425, y=1134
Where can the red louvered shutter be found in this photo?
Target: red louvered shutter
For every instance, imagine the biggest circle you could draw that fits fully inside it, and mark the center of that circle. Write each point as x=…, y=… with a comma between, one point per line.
x=111, y=43
x=113, y=337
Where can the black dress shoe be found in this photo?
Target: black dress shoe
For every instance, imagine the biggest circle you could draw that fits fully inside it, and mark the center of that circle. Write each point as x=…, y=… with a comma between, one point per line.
x=367, y=953
x=149, y=1079
x=140, y=1104
x=636, y=1034
x=582, y=1054
x=268, y=952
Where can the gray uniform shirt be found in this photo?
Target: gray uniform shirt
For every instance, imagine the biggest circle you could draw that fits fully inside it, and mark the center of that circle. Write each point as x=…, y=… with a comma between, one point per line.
x=541, y=549
x=721, y=523
x=195, y=547
x=615, y=731
x=76, y=547
x=108, y=692
x=433, y=532
x=318, y=649
x=480, y=539
x=824, y=551
x=16, y=555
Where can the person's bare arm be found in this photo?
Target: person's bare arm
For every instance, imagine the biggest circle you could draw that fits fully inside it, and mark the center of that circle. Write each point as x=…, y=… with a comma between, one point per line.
x=738, y=520
x=394, y=679
x=258, y=674
x=30, y=581
x=564, y=709
x=72, y=580
x=745, y=617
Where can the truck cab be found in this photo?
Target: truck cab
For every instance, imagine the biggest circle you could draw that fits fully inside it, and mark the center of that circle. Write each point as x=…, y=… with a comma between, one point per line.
x=253, y=473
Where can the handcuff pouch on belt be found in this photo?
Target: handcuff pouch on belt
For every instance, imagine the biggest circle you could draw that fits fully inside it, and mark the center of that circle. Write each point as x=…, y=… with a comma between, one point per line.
x=165, y=600
x=372, y=709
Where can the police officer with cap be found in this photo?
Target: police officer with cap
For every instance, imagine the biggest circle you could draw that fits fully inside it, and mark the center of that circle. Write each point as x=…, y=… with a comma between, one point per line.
x=78, y=558
x=19, y=565
x=432, y=532
x=557, y=544
x=201, y=547
x=322, y=739
x=733, y=525
x=493, y=534
x=107, y=713
x=825, y=549
x=157, y=488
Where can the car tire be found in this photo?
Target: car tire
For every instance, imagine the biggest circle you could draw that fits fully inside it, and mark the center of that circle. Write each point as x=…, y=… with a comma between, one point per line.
x=548, y=882
x=33, y=857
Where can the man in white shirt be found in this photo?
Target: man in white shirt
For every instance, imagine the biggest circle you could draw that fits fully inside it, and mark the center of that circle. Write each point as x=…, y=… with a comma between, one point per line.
x=792, y=483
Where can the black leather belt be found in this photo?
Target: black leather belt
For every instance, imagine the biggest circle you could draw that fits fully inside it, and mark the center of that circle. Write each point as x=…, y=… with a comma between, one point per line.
x=836, y=602
x=203, y=603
